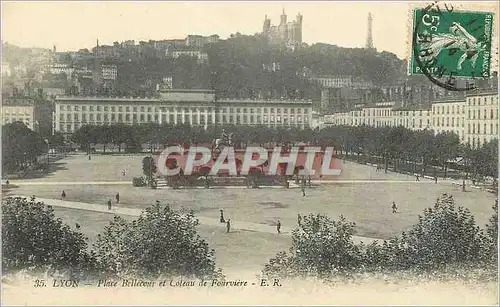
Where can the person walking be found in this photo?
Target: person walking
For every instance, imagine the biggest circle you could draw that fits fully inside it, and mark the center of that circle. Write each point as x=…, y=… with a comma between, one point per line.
x=228, y=226
x=222, y=220
x=278, y=227
x=63, y=195
x=117, y=197
x=299, y=219
x=435, y=179
x=394, y=207
x=417, y=178
x=303, y=187
x=109, y=204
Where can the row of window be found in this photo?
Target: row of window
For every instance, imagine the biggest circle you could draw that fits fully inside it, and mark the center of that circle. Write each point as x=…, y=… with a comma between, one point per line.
x=492, y=113
x=65, y=127
x=180, y=118
x=441, y=123
x=186, y=110
x=373, y=122
x=476, y=142
x=472, y=101
x=25, y=111
x=485, y=126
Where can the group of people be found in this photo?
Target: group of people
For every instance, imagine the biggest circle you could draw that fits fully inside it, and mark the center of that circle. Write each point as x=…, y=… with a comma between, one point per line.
x=117, y=197
x=228, y=223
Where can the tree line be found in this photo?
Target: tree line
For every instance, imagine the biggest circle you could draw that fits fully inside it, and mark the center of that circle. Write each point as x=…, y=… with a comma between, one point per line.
x=388, y=146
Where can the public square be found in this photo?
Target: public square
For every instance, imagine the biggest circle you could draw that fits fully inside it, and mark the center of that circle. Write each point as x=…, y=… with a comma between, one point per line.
x=362, y=195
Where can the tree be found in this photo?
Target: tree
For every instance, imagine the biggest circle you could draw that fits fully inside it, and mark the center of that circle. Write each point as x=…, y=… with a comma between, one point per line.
x=445, y=234
x=320, y=247
x=20, y=146
x=160, y=243
x=149, y=168
x=34, y=239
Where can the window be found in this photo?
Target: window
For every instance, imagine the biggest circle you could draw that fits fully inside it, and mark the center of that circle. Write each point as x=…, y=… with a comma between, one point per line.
x=61, y=116
x=120, y=109
x=98, y=117
x=149, y=109
x=98, y=108
x=113, y=109
x=142, y=117
x=84, y=108
x=68, y=108
x=127, y=117
x=68, y=117
x=106, y=108
x=113, y=117
x=149, y=117
x=106, y=118
x=484, y=130
x=91, y=117
x=491, y=114
x=142, y=109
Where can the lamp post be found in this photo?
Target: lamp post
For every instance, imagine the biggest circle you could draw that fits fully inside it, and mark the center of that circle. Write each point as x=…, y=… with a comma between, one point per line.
x=48, y=151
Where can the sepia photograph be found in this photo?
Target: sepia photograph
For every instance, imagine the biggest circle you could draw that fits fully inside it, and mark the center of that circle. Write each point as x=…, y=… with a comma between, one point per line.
x=249, y=153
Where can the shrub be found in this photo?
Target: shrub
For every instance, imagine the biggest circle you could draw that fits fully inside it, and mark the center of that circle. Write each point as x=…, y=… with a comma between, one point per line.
x=33, y=239
x=444, y=235
x=320, y=247
x=445, y=241
x=492, y=232
x=161, y=242
x=138, y=182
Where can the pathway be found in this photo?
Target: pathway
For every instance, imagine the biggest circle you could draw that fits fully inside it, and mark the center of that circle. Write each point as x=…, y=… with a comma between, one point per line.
x=118, y=209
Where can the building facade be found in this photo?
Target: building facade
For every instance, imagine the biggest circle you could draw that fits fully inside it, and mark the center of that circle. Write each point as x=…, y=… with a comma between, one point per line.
x=19, y=110
x=481, y=118
x=474, y=120
x=194, y=107
x=201, y=57
x=200, y=41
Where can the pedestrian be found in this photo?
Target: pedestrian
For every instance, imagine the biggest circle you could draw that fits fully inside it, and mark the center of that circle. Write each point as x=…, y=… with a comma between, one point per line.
x=77, y=226
x=33, y=198
x=303, y=187
x=109, y=204
x=299, y=219
x=222, y=216
x=394, y=207
x=89, y=158
x=228, y=225
x=417, y=177
x=7, y=182
x=278, y=227
x=309, y=181
x=124, y=172
x=157, y=202
x=435, y=179
x=117, y=197
x=63, y=195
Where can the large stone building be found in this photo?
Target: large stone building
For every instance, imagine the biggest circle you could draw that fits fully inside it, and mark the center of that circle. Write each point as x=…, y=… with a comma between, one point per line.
x=286, y=33
x=36, y=115
x=194, y=107
x=474, y=119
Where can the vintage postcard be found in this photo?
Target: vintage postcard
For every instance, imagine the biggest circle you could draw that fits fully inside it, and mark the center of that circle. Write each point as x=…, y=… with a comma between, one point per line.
x=243, y=153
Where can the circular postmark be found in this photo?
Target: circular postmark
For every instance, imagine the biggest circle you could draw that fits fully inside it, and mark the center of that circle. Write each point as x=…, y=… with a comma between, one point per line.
x=451, y=48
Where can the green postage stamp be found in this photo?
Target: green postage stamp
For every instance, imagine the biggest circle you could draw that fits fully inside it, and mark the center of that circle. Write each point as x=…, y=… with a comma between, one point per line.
x=450, y=43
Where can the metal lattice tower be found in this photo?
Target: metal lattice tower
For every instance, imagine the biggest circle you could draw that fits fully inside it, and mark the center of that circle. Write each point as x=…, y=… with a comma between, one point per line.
x=369, y=38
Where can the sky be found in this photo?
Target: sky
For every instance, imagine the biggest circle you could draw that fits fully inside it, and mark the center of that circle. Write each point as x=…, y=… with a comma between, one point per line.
x=76, y=25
